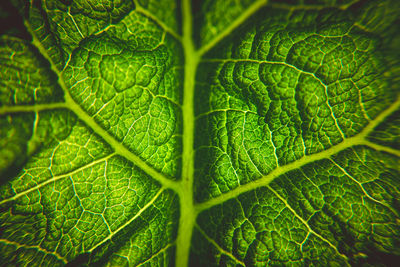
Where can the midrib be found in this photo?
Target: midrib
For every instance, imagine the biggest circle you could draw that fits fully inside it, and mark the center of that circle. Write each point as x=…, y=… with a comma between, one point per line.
x=187, y=214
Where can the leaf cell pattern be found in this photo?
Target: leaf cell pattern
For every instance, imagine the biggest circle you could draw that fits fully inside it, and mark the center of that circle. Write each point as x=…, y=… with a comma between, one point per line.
x=200, y=133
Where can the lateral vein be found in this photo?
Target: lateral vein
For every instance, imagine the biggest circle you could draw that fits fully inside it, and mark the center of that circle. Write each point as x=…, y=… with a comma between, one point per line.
x=31, y=108
x=90, y=122
x=243, y=17
x=359, y=139
x=55, y=178
x=379, y=147
x=146, y=13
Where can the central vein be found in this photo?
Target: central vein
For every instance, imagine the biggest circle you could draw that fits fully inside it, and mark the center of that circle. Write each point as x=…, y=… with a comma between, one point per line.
x=187, y=216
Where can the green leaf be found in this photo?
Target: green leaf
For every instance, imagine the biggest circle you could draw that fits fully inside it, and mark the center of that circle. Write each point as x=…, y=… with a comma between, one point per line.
x=203, y=133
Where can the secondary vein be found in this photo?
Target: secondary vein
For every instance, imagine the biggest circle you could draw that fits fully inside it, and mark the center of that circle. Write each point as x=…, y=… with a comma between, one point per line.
x=90, y=122
x=243, y=17
x=358, y=139
x=30, y=108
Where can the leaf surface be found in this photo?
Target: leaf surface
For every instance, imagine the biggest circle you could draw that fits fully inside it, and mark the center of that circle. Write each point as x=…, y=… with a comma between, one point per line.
x=211, y=133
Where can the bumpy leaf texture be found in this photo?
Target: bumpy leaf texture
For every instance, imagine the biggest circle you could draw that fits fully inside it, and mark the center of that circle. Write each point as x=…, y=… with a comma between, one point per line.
x=205, y=133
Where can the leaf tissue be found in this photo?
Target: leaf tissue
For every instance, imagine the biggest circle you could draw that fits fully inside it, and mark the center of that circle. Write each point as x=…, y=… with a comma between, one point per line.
x=199, y=133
